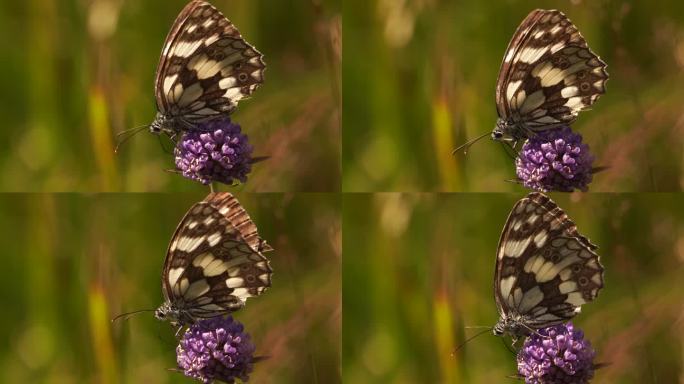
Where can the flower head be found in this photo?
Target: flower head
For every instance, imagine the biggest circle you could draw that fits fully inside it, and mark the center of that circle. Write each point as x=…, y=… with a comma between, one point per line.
x=559, y=355
x=216, y=349
x=555, y=160
x=216, y=151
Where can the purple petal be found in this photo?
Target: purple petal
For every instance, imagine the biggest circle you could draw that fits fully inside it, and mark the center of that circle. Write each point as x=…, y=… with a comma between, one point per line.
x=217, y=151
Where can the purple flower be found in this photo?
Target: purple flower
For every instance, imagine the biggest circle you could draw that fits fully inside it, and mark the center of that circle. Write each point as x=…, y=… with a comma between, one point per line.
x=216, y=151
x=555, y=160
x=559, y=355
x=216, y=349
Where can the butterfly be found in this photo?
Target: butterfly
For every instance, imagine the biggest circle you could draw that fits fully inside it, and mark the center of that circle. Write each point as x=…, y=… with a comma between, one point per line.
x=205, y=68
x=214, y=262
x=545, y=270
x=548, y=75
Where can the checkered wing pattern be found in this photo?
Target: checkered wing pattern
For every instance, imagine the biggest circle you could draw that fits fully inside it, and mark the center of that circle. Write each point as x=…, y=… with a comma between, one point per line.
x=205, y=68
x=548, y=75
x=214, y=262
x=545, y=270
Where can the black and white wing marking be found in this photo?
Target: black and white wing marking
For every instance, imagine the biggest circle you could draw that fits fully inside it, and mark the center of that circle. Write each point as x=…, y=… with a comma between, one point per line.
x=548, y=75
x=545, y=270
x=238, y=218
x=205, y=68
x=214, y=262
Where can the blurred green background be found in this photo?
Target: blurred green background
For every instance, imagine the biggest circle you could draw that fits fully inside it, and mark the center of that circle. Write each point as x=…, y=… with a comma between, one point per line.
x=73, y=262
x=418, y=268
x=419, y=79
x=75, y=73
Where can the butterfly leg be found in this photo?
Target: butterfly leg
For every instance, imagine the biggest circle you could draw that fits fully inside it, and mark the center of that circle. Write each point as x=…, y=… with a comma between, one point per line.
x=163, y=146
x=178, y=331
x=508, y=148
x=511, y=348
x=536, y=332
x=514, y=341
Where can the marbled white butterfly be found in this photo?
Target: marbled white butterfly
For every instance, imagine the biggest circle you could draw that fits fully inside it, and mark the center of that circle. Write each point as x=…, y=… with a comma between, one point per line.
x=214, y=262
x=545, y=270
x=205, y=68
x=548, y=75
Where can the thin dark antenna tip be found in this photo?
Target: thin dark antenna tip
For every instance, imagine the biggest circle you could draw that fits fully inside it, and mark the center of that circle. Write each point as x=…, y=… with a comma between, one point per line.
x=458, y=348
x=124, y=136
x=127, y=315
x=465, y=146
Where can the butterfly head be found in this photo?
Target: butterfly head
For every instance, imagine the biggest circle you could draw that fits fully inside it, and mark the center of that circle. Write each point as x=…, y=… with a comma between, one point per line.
x=169, y=312
x=163, y=312
x=506, y=131
x=160, y=124
x=498, y=131
x=510, y=326
x=498, y=329
x=171, y=126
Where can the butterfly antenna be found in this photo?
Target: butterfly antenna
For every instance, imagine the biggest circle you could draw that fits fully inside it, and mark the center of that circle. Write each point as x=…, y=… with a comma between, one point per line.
x=124, y=136
x=126, y=316
x=458, y=348
x=467, y=145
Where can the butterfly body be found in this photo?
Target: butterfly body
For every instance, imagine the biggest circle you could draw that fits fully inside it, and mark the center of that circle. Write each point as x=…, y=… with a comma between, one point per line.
x=545, y=270
x=174, y=313
x=509, y=130
x=548, y=75
x=511, y=325
x=205, y=69
x=214, y=262
x=169, y=125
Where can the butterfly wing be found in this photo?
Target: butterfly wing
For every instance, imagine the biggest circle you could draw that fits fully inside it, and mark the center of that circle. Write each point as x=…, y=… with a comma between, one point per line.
x=206, y=66
x=210, y=267
x=548, y=74
x=545, y=269
x=238, y=217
